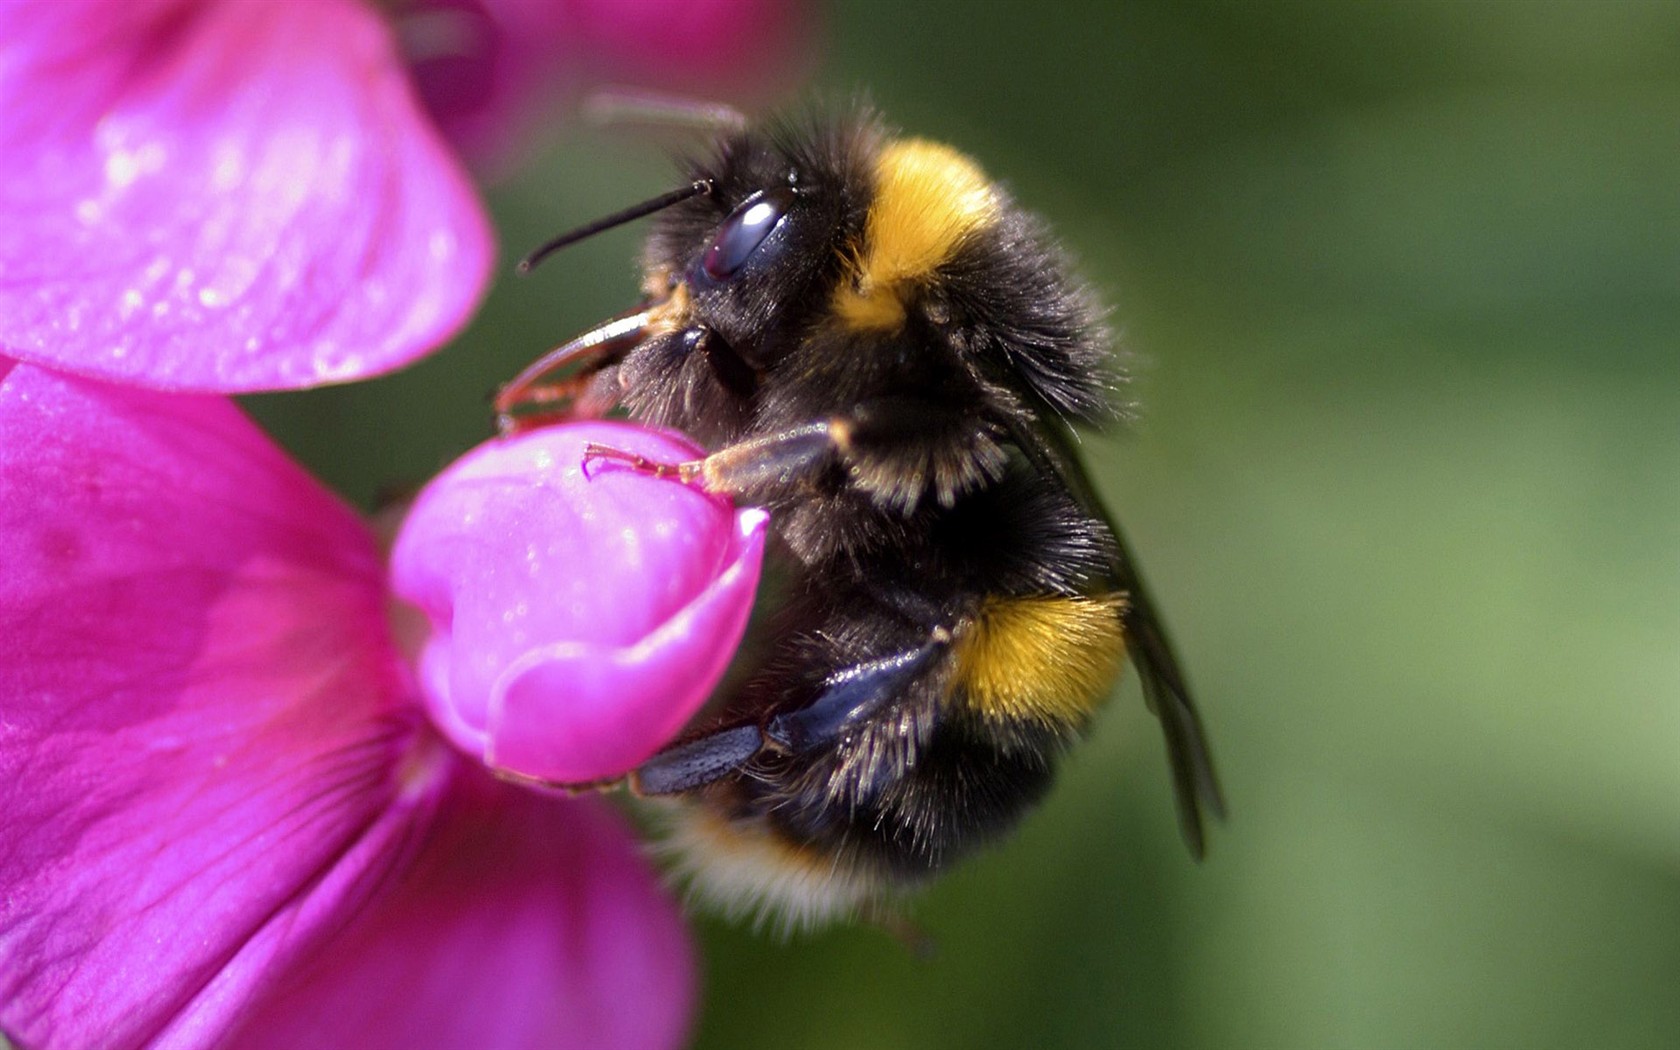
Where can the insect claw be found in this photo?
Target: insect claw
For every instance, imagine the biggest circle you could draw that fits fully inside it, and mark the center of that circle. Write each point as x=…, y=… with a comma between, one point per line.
x=634, y=460
x=687, y=473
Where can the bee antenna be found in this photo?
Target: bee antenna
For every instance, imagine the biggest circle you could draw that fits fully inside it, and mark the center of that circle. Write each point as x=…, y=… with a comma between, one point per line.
x=617, y=218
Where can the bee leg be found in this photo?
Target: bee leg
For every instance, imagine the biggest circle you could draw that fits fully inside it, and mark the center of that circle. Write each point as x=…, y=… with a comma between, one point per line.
x=744, y=468
x=566, y=394
x=683, y=472
x=622, y=106
x=852, y=696
x=898, y=450
x=855, y=694
x=599, y=348
x=697, y=762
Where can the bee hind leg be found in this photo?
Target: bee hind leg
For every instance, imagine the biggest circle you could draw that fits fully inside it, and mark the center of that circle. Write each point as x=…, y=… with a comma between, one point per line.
x=850, y=697
x=697, y=762
x=855, y=694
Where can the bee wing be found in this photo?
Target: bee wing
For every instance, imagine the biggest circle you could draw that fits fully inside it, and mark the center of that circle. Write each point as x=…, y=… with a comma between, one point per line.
x=1195, y=785
x=1049, y=443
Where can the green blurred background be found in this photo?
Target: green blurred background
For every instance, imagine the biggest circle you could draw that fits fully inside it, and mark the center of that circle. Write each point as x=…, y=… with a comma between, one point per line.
x=1403, y=281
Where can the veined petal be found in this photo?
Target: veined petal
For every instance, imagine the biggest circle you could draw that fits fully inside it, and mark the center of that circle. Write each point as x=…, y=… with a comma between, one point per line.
x=527, y=922
x=578, y=620
x=208, y=754
x=215, y=196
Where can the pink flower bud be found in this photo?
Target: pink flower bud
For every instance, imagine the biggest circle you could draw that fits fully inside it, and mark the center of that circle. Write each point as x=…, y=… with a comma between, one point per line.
x=578, y=619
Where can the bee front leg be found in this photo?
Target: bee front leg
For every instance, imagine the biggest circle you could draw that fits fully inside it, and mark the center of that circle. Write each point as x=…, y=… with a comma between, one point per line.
x=760, y=466
x=537, y=405
x=555, y=395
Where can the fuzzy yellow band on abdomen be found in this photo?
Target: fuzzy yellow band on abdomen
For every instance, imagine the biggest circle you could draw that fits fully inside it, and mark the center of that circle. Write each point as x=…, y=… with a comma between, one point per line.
x=1050, y=660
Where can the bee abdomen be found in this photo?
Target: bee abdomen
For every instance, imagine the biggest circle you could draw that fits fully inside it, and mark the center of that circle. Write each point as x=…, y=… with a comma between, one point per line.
x=794, y=859
x=803, y=842
x=1042, y=660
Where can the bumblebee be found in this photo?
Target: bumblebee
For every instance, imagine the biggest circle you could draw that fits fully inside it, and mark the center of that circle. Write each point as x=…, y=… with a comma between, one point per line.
x=879, y=346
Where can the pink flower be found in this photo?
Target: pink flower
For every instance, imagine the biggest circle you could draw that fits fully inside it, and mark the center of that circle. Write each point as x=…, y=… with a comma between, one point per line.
x=224, y=196
x=488, y=70
x=231, y=810
x=226, y=817
x=507, y=663
x=227, y=196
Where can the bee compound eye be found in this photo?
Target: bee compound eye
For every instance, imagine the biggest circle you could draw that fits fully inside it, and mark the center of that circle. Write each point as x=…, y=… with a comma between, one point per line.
x=745, y=231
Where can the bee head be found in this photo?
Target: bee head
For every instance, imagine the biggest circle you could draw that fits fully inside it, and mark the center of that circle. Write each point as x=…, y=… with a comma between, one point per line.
x=829, y=256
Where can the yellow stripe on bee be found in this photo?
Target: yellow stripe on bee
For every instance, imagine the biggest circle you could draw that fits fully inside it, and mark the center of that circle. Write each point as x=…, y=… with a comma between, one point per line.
x=928, y=197
x=1050, y=660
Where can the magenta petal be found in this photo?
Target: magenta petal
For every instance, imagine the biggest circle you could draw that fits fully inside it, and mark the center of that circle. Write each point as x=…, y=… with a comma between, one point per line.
x=221, y=196
x=528, y=922
x=487, y=69
x=690, y=45
x=207, y=755
x=578, y=622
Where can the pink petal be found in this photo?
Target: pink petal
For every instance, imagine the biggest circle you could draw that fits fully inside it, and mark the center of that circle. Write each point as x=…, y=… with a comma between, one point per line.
x=733, y=46
x=578, y=621
x=487, y=69
x=490, y=70
x=222, y=196
x=529, y=922
x=207, y=751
